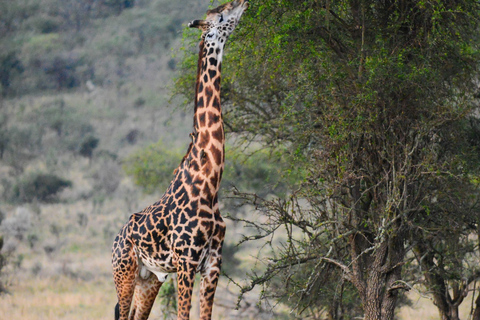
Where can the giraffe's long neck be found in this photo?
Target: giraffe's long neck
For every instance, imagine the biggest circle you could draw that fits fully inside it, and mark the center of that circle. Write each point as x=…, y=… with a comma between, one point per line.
x=207, y=93
x=209, y=137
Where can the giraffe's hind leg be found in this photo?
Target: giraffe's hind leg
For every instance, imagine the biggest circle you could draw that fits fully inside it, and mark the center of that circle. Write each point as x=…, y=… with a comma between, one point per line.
x=125, y=270
x=146, y=291
x=125, y=284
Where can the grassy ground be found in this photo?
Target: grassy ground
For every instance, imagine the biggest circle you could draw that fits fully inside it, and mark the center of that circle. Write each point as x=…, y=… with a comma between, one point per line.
x=37, y=298
x=59, y=298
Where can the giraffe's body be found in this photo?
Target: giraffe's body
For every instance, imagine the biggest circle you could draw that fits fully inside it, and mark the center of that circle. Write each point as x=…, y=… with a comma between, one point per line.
x=184, y=231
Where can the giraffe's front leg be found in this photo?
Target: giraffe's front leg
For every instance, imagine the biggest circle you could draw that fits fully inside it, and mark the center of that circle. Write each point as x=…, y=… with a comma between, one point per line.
x=185, y=279
x=208, y=285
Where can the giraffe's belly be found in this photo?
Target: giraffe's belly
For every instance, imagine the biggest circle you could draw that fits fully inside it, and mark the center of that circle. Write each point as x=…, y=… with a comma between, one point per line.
x=160, y=266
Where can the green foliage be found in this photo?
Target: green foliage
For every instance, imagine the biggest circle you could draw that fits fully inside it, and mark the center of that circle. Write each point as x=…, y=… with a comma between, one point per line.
x=168, y=298
x=45, y=23
x=259, y=172
x=152, y=168
x=265, y=172
x=371, y=95
x=14, y=13
x=10, y=66
x=41, y=45
x=41, y=187
x=18, y=145
x=63, y=72
x=72, y=128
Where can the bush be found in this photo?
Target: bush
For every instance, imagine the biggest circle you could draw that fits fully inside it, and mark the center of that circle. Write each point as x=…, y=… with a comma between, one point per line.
x=72, y=128
x=10, y=66
x=16, y=227
x=260, y=172
x=87, y=146
x=39, y=186
x=19, y=145
x=139, y=102
x=152, y=168
x=131, y=137
x=106, y=176
x=63, y=71
x=3, y=263
x=45, y=24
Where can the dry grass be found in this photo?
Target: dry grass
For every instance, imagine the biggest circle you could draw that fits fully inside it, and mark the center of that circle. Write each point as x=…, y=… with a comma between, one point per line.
x=59, y=298
x=423, y=308
x=65, y=298
x=38, y=298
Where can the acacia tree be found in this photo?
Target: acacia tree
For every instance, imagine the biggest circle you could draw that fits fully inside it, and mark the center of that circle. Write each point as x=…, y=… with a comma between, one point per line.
x=445, y=240
x=365, y=94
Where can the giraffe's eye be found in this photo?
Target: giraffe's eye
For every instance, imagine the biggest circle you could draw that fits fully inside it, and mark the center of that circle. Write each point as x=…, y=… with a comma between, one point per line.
x=221, y=18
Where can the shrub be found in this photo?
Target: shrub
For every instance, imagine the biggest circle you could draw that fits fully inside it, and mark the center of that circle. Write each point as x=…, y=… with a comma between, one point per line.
x=45, y=24
x=17, y=226
x=139, y=102
x=39, y=186
x=19, y=144
x=261, y=172
x=152, y=168
x=87, y=146
x=131, y=137
x=106, y=176
x=3, y=263
x=63, y=72
x=10, y=65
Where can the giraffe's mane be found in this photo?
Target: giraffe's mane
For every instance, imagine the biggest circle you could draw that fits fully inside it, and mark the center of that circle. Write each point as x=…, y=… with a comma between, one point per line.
x=217, y=9
x=197, y=83
x=199, y=71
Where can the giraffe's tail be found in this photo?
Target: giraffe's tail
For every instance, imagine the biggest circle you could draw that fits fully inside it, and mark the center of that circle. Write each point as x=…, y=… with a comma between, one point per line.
x=117, y=311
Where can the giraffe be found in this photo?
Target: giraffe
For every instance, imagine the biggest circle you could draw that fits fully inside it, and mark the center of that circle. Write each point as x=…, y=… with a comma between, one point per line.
x=183, y=232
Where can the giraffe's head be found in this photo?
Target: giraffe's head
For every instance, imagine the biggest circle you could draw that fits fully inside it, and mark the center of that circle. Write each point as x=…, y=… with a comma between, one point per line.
x=221, y=21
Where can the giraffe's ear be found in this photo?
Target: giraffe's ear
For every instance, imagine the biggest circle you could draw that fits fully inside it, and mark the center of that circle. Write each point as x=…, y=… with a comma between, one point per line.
x=197, y=24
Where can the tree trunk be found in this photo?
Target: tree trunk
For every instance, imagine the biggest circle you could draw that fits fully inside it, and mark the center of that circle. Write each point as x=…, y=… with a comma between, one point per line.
x=382, y=271
x=446, y=305
x=476, y=313
x=454, y=313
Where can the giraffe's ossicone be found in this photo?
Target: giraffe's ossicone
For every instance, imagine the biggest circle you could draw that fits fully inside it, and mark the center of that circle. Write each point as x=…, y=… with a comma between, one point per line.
x=183, y=232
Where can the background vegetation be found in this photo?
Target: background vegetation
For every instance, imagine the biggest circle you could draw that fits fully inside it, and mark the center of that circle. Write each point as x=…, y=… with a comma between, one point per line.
x=351, y=180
